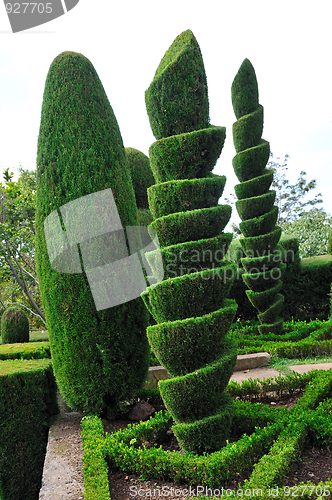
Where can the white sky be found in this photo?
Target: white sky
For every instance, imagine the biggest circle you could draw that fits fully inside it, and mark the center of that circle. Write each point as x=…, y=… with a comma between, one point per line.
x=287, y=41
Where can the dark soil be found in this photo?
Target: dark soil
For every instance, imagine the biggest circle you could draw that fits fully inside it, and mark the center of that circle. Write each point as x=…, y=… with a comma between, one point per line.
x=315, y=465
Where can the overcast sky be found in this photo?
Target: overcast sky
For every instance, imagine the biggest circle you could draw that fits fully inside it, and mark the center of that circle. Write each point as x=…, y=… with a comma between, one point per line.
x=288, y=43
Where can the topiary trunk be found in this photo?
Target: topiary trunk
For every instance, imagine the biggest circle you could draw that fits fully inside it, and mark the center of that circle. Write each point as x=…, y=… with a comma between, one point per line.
x=100, y=354
x=255, y=203
x=190, y=306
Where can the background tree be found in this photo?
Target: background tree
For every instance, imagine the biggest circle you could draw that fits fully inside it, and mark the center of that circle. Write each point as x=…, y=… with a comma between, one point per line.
x=312, y=230
x=291, y=199
x=17, y=232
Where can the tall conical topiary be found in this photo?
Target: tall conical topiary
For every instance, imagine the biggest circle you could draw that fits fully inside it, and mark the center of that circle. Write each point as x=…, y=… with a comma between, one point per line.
x=255, y=203
x=100, y=357
x=190, y=305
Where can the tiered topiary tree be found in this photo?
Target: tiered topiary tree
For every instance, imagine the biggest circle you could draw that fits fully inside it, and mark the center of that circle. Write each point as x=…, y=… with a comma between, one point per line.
x=142, y=178
x=255, y=203
x=100, y=357
x=14, y=326
x=190, y=306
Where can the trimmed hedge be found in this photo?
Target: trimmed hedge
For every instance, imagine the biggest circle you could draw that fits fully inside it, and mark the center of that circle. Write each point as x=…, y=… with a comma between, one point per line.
x=14, y=326
x=27, y=406
x=100, y=357
x=34, y=350
x=193, y=293
x=275, y=441
x=255, y=205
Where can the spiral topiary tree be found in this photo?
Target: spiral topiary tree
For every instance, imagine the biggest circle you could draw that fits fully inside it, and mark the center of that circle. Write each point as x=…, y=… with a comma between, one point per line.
x=255, y=203
x=14, y=326
x=100, y=356
x=190, y=306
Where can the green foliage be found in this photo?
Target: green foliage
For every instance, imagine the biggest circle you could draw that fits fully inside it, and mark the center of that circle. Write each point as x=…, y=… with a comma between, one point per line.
x=17, y=247
x=27, y=406
x=291, y=199
x=192, y=225
x=329, y=244
x=31, y=350
x=187, y=156
x=189, y=225
x=187, y=194
x=14, y=326
x=176, y=344
x=274, y=441
x=177, y=99
x=245, y=90
x=312, y=231
x=141, y=175
x=95, y=467
x=306, y=287
x=255, y=202
x=100, y=357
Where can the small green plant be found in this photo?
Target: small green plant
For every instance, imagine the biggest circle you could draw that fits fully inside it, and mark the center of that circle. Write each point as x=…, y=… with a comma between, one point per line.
x=14, y=326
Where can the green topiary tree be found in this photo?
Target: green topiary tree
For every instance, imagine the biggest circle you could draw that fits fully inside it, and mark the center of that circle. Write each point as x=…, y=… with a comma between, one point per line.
x=190, y=306
x=142, y=178
x=100, y=356
x=14, y=326
x=255, y=203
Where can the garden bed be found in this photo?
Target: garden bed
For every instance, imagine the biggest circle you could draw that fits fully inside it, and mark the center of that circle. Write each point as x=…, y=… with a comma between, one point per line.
x=271, y=438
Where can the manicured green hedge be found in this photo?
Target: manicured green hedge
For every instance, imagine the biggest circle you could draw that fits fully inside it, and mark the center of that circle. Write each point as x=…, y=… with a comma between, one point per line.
x=27, y=406
x=275, y=441
x=34, y=350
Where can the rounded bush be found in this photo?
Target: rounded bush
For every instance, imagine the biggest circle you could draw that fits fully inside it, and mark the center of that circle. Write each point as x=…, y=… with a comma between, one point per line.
x=14, y=326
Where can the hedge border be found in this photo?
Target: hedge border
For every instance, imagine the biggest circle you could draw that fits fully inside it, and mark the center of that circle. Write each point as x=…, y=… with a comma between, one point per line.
x=286, y=427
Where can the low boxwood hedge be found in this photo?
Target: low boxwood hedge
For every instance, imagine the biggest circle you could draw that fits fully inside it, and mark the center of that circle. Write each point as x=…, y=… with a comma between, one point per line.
x=275, y=440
